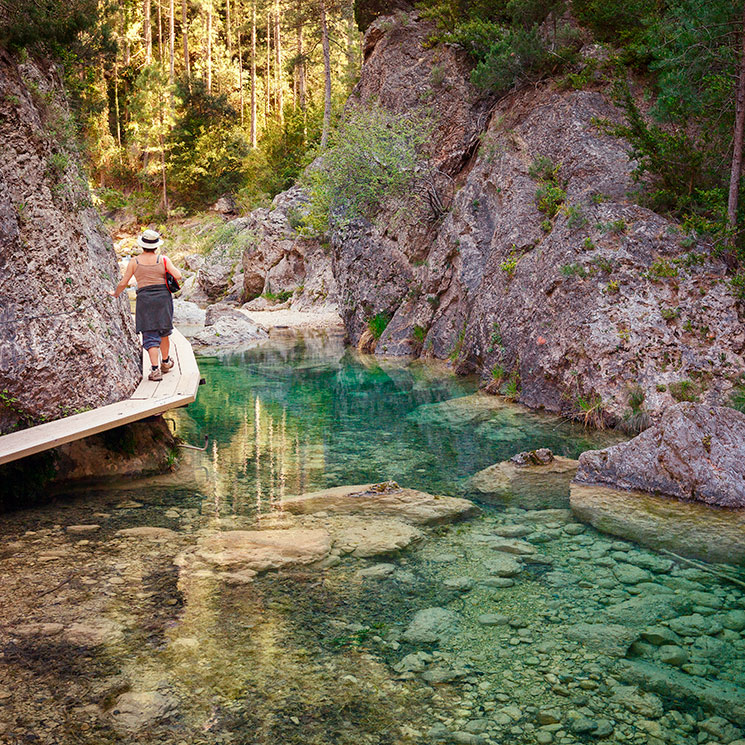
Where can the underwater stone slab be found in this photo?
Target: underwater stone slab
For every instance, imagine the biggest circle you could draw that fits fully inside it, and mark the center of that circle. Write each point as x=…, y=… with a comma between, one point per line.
x=529, y=486
x=367, y=538
x=611, y=639
x=261, y=550
x=647, y=610
x=691, y=529
x=431, y=625
x=146, y=531
x=94, y=632
x=464, y=411
x=695, y=452
x=135, y=710
x=383, y=500
x=725, y=699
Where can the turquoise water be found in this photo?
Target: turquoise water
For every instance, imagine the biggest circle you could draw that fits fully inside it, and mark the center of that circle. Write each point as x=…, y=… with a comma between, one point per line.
x=301, y=415
x=554, y=632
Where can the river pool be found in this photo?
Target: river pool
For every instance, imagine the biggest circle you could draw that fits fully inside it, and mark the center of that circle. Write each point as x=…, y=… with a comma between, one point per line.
x=536, y=628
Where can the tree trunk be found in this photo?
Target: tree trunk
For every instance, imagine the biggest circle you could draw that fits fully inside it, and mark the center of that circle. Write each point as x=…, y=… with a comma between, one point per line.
x=327, y=77
x=267, y=100
x=240, y=55
x=278, y=62
x=148, y=34
x=301, y=79
x=352, y=40
x=209, y=46
x=116, y=109
x=253, y=73
x=185, y=33
x=160, y=33
x=737, y=140
x=172, y=44
x=228, y=32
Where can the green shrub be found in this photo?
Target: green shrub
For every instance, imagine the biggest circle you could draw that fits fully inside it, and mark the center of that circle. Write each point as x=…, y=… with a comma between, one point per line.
x=662, y=269
x=543, y=169
x=378, y=323
x=575, y=217
x=511, y=389
x=419, y=334
x=549, y=197
x=684, y=390
x=278, y=297
x=603, y=264
x=737, y=399
x=573, y=270
x=374, y=157
x=670, y=314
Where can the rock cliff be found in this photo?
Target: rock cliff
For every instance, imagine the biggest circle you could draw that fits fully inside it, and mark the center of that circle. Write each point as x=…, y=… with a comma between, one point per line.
x=544, y=272
x=65, y=344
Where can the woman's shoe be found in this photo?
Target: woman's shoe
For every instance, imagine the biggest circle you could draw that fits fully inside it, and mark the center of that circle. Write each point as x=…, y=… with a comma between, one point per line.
x=155, y=375
x=166, y=365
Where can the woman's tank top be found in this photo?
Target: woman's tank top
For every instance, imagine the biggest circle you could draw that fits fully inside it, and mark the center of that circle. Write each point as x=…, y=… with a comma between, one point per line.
x=150, y=274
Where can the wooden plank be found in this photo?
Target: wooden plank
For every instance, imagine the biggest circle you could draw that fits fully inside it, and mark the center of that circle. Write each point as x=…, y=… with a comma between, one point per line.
x=150, y=398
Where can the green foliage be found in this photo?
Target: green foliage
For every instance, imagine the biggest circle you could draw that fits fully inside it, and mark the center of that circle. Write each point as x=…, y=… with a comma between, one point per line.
x=45, y=25
x=614, y=20
x=496, y=338
x=544, y=169
x=574, y=270
x=603, y=264
x=737, y=283
x=278, y=297
x=684, y=390
x=549, y=198
x=670, y=314
x=737, y=399
x=378, y=323
x=591, y=411
x=373, y=159
x=662, y=269
x=498, y=373
x=509, y=265
x=511, y=390
x=613, y=287
x=419, y=333
x=575, y=216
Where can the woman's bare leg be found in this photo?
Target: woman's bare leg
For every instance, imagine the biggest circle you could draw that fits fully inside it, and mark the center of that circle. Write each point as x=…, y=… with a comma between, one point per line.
x=153, y=352
x=165, y=347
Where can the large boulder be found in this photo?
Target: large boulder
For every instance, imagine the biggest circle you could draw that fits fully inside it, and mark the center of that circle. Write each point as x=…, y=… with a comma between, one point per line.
x=694, y=452
x=65, y=345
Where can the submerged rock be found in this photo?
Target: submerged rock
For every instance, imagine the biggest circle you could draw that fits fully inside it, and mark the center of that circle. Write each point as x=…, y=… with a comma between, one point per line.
x=365, y=538
x=526, y=484
x=611, y=639
x=687, y=528
x=383, y=500
x=258, y=550
x=136, y=710
x=694, y=452
x=431, y=625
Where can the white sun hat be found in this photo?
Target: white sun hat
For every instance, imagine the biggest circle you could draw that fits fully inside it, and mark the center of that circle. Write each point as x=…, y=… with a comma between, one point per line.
x=150, y=239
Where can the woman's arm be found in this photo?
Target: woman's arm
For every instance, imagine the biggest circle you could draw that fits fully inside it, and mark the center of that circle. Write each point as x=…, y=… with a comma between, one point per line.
x=125, y=279
x=171, y=268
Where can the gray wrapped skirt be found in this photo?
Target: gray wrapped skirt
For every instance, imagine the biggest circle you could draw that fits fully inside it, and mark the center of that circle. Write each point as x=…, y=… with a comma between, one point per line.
x=154, y=310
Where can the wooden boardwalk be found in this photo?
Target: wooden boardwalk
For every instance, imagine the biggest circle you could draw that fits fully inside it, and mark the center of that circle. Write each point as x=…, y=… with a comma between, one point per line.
x=178, y=388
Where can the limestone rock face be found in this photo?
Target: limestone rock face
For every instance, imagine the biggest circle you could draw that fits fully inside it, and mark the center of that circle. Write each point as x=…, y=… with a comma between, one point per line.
x=229, y=328
x=56, y=265
x=279, y=259
x=695, y=452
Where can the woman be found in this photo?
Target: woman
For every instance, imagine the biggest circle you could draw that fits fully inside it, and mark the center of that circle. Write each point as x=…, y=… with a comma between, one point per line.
x=154, y=313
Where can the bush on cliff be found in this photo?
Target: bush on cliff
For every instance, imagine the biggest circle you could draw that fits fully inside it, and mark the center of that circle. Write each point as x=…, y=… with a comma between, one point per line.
x=374, y=159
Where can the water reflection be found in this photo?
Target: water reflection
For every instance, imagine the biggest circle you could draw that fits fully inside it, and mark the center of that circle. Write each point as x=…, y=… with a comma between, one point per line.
x=305, y=414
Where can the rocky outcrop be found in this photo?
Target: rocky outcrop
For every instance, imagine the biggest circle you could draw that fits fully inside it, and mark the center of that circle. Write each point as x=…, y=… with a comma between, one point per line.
x=581, y=307
x=589, y=304
x=280, y=260
x=694, y=452
x=65, y=345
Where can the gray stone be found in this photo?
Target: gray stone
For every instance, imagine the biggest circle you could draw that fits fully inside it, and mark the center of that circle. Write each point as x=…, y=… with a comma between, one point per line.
x=628, y=574
x=462, y=584
x=646, y=610
x=717, y=696
x=694, y=452
x=659, y=635
x=646, y=705
x=611, y=639
x=503, y=565
x=136, y=710
x=694, y=625
x=492, y=619
x=431, y=625
x=734, y=620
x=673, y=655
x=377, y=571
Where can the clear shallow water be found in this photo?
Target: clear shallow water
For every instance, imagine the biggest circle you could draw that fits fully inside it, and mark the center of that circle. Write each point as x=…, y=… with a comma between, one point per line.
x=297, y=416
x=90, y=618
